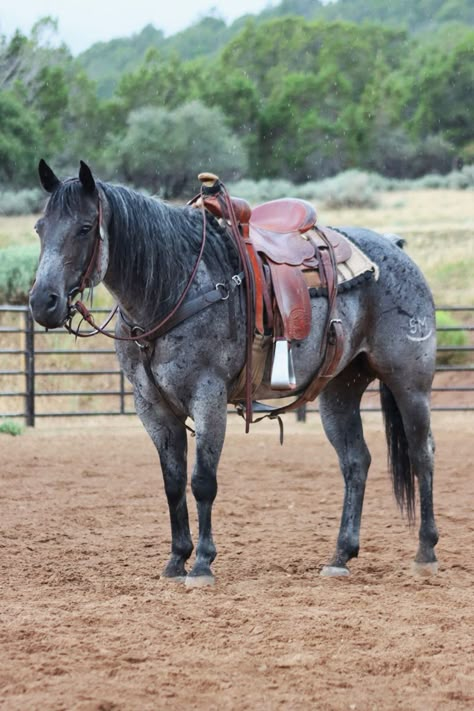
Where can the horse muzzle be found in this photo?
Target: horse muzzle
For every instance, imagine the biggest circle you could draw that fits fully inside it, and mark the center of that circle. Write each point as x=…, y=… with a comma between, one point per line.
x=49, y=308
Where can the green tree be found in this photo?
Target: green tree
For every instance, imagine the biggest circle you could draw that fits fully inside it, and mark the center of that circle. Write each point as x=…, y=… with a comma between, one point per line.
x=37, y=73
x=159, y=81
x=20, y=138
x=431, y=92
x=164, y=150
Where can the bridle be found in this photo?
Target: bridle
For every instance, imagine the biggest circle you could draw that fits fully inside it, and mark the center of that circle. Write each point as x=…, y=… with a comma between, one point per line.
x=137, y=332
x=181, y=310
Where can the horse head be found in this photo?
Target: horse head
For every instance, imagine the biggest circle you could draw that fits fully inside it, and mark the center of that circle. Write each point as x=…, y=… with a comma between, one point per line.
x=74, y=244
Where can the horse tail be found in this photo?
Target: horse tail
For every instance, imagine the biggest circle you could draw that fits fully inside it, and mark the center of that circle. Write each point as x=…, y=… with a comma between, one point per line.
x=401, y=470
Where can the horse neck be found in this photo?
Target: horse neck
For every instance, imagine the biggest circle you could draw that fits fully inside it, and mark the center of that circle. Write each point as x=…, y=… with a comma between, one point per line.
x=150, y=258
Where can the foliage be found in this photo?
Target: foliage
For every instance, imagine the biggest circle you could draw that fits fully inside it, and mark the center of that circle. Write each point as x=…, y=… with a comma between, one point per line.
x=21, y=202
x=429, y=90
x=107, y=62
x=300, y=99
x=257, y=191
x=165, y=150
x=19, y=138
x=17, y=273
x=450, y=339
x=349, y=189
x=416, y=16
x=11, y=427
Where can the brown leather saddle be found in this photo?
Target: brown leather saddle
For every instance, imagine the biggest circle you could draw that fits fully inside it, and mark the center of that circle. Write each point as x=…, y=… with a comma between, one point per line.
x=284, y=245
x=284, y=234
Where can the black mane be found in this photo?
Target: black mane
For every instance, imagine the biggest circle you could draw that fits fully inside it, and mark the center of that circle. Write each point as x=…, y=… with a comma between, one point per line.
x=153, y=245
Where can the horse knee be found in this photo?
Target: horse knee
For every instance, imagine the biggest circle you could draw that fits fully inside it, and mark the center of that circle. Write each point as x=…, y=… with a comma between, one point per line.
x=175, y=489
x=204, y=484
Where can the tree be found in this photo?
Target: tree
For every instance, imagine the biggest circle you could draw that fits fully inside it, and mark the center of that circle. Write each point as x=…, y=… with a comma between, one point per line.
x=19, y=140
x=164, y=150
x=431, y=92
x=159, y=81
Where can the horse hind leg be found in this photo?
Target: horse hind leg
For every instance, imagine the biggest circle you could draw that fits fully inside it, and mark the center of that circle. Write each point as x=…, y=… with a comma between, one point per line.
x=410, y=441
x=340, y=414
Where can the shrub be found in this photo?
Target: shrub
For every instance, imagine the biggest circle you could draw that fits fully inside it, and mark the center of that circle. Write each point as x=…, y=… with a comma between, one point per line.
x=451, y=339
x=17, y=273
x=461, y=179
x=256, y=191
x=349, y=189
x=21, y=202
x=164, y=150
x=11, y=427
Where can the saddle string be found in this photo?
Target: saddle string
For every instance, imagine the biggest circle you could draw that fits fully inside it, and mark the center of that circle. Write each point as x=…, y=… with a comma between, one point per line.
x=249, y=299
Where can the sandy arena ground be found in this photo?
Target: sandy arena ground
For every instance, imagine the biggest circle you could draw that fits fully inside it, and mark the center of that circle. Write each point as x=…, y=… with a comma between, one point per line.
x=87, y=623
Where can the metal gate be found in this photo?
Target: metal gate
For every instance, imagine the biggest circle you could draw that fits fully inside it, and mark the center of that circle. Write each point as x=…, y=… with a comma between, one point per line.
x=47, y=374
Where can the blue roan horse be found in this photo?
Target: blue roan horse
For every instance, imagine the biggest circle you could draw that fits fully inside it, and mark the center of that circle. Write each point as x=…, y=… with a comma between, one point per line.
x=148, y=250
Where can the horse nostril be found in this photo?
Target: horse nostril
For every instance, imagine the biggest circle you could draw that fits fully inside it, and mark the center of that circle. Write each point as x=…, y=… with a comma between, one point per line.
x=52, y=302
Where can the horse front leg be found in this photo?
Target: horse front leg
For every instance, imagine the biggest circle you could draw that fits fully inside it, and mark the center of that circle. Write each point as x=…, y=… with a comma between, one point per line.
x=169, y=437
x=210, y=416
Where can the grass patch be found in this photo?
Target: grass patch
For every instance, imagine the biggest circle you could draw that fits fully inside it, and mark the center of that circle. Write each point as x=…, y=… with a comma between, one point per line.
x=450, y=339
x=11, y=427
x=17, y=272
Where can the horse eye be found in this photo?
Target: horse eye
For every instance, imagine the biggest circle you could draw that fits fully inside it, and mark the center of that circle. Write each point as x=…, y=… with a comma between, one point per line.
x=84, y=230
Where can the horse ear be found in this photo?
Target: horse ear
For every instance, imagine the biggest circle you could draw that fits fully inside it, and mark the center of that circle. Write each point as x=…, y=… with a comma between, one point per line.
x=86, y=178
x=48, y=179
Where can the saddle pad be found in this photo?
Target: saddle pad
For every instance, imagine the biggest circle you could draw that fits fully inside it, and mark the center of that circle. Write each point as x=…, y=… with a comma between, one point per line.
x=349, y=273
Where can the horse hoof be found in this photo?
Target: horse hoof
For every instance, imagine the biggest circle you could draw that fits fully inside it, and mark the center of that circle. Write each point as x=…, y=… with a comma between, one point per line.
x=200, y=581
x=174, y=578
x=334, y=571
x=425, y=570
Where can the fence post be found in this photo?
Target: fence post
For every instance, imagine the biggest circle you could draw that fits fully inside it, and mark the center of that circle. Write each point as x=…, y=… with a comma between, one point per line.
x=301, y=414
x=29, y=369
x=122, y=393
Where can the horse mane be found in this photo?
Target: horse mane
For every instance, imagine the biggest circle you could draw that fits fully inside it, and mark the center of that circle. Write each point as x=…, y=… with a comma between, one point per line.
x=154, y=245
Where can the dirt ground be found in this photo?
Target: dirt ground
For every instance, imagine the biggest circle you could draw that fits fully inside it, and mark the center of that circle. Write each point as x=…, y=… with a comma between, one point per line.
x=87, y=623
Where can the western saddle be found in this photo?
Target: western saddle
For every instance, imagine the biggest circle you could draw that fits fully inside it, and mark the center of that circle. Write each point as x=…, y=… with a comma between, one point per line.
x=286, y=254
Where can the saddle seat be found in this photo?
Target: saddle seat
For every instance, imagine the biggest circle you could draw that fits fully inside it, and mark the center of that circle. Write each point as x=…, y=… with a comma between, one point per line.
x=284, y=216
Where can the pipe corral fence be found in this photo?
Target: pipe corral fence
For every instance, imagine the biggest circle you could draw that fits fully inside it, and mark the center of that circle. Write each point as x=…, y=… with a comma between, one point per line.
x=49, y=374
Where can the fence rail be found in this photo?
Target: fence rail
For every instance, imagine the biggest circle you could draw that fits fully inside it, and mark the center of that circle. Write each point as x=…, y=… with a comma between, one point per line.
x=42, y=376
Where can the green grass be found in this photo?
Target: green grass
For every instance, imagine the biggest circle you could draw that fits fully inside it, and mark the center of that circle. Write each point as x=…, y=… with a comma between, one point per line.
x=11, y=427
x=451, y=339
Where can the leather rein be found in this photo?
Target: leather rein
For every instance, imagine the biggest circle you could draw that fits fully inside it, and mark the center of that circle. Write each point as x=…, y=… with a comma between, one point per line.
x=180, y=312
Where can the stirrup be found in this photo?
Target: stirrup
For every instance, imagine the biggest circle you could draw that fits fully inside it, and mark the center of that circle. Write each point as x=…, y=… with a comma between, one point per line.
x=283, y=372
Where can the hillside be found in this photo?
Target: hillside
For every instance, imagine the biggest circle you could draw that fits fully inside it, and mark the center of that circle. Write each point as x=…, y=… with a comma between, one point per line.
x=105, y=62
x=413, y=16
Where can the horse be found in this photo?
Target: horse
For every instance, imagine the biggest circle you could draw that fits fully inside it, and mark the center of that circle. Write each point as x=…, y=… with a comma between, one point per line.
x=148, y=249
